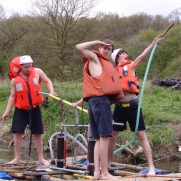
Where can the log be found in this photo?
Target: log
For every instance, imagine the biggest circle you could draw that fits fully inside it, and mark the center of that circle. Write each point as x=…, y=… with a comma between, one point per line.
x=138, y=152
x=20, y=176
x=127, y=150
x=124, y=173
x=130, y=151
x=133, y=167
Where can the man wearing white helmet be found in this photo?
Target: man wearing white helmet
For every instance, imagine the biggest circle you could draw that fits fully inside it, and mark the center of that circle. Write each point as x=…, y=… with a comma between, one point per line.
x=126, y=108
x=24, y=96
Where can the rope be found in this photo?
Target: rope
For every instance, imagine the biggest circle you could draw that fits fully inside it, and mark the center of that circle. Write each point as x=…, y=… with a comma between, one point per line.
x=27, y=157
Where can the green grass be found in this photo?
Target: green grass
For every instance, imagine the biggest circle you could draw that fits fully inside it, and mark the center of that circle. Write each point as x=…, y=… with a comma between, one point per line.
x=160, y=106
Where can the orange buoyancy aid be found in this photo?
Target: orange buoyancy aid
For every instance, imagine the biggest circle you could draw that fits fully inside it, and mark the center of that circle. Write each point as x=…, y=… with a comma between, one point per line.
x=128, y=81
x=27, y=96
x=105, y=84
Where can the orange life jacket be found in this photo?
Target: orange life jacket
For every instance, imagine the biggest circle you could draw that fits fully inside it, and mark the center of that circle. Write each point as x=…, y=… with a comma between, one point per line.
x=105, y=84
x=127, y=80
x=14, y=67
x=27, y=96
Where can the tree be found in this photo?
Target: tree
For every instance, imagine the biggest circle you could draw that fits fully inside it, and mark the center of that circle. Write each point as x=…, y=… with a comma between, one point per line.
x=111, y=26
x=11, y=31
x=2, y=13
x=160, y=23
x=175, y=16
x=66, y=26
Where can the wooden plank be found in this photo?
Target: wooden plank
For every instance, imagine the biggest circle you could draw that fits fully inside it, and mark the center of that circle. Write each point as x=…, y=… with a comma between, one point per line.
x=30, y=173
x=124, y=173
x=133, y=167
x=144, y=179
x=154, y=178
x=20, y=176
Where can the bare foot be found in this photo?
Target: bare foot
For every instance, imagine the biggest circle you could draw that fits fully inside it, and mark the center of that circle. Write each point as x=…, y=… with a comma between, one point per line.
x=45, y=163
x=14, y=161
x=96, y=176
x=151, y=172
x=108, y=177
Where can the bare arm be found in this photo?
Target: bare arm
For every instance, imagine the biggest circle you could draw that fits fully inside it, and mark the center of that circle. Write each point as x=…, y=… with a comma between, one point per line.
x=78, y=103
x=145, y=53
x=46, y=80
x=10, y=101
x=95, y=67
x=83, y=49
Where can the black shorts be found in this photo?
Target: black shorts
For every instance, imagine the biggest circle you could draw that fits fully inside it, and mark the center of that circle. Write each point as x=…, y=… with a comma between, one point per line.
x=22, y=118
x=124, y=114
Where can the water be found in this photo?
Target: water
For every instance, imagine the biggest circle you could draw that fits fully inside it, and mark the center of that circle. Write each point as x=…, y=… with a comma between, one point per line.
x=7, y=155
x=174, y=166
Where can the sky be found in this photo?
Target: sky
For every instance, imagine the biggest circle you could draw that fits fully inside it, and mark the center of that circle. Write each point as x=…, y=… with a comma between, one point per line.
x=122, y=7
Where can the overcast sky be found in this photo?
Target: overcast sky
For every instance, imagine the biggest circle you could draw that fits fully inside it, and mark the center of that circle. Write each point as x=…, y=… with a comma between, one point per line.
x=122, y=7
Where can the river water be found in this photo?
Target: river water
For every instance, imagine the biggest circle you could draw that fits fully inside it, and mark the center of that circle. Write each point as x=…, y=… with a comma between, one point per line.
x=7, y=155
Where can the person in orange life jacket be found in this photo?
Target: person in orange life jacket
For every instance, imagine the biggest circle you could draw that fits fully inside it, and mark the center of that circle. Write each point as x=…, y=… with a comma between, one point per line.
x=100, y=83
x=126, y=109
x=27, y=82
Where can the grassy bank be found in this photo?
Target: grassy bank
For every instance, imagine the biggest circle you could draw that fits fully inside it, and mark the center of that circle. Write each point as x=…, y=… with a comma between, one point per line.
x=161, y=110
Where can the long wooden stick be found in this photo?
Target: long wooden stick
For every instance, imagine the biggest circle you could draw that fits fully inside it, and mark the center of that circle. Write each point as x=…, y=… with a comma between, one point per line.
x=163, y=34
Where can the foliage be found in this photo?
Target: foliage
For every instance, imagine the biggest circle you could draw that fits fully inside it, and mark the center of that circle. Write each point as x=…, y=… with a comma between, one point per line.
x=50, y=34
x=11, y=31
x=161, y=101
x=2, y=12
x=162, y=137
x=66, y=24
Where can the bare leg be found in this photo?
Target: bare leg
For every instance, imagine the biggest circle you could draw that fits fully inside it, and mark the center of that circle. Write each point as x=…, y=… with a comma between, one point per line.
x=96, y=161
x=103, y=151
x=39, y=148
x=18, y=146
x=112, y=146
x=147, y=151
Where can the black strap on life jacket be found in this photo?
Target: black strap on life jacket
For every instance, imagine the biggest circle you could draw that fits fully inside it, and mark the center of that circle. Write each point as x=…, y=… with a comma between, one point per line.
x=130, y=83
x=30, y=119
x=30, y=127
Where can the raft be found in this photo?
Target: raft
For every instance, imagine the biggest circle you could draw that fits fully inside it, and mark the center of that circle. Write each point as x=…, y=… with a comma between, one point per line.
x=79, y=171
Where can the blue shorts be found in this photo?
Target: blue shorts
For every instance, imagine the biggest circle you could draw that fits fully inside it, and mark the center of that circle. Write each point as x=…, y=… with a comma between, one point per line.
x=100, y=117
x=124, y=114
